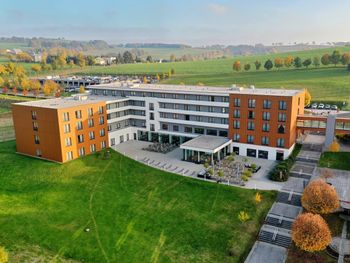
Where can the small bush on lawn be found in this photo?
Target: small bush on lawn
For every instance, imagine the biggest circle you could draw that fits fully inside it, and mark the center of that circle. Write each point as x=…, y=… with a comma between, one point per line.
x=245, y=178
x=280, y=172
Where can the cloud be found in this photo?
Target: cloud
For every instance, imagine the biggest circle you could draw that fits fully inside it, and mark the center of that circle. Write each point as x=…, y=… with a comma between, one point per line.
x=218, y=9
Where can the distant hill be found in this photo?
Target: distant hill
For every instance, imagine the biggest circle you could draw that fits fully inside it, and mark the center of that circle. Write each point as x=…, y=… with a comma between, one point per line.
x=153, y=45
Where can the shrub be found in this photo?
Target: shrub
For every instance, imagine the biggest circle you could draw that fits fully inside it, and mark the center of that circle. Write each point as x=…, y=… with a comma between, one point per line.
x=245, y=178
x=258, y=198
x=3, y=255
x=311, y=233
x=320, y=197
x=243, y=216
x=220, y=173
x=253, y=166
x=206, y=165
x=334, y=147
x=211, y=171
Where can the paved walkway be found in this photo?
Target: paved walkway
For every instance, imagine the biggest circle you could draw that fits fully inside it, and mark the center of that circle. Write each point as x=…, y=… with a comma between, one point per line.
x=172, y=162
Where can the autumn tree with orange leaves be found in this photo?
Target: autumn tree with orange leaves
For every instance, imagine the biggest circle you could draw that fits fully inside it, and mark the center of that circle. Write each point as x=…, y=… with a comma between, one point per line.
x=237, y=65
x=288, y=61
x=311, y=233
x=320, y=197
x=279, y=63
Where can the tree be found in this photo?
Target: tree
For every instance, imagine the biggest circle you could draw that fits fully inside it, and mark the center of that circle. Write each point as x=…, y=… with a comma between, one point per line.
x=325, y=59
x=268, y=64
x=172, y=57
x=307, y=62
x=2, y=69
x=335, y=57
x=14, y=91
x=5, y=90
x=288, y=61
x=158, y=77
x=35, y=86
x=81, y=62
x=50, y=87
x=149, y=59
x=320, y=197
x=311, y=233
x=81, y=89
x=316, y=62
x=279, y=62
x=348, y=67
x=334, y=147
x=36, y=68
x=345, y=59
x=2, y=82
x=297, y=62
x=257, y=65
x=90, y=60
x=307, y=99
x=237, y=65
x=61, y=60
x=127, y=57
x=4, y=257
x=247, y=67
x=172, y=71
x=145, y=80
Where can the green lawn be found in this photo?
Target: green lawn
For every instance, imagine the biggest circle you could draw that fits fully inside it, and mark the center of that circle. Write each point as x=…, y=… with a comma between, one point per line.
x=136, y=213
x=339, y=160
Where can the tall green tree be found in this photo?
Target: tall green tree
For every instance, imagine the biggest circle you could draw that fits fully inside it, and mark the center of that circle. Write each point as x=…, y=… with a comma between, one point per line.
x=297, y=62
x=316, y=62
x=345, y=59
x=335, y=57
x=257, y=65
x=247, y=67
x=268, y=64
x=325, y=59
x=127, y=57
x=307, y=62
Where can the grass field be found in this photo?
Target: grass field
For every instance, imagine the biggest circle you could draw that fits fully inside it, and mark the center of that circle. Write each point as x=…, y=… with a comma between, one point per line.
x=338, y=160
x=135, y=213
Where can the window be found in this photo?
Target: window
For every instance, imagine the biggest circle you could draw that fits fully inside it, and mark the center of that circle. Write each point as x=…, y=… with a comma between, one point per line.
x=251, y=125
x=250, y=139
x=66, y=128
x=81, y=151
x=188, y=129
x=211, y=119
x=79, y=125
x=35, y=126
x=298, y=101
x=103, y=144
x=267, y=104
x=165, y=126
x=78, y=114
x=236, y=124
x=69, y=156
x=151, y=116
x=224, y=110
x=80, y=138
x=266, y=127
x=236, y=137
x=211, y=109
x=280, y=142
x=38, y=152
x=68, y=141
x=102, y=132
x=266, y=116
x=236, y=113
x=265, y=140
x=33, y=115
x=151, y=106
x=282, y=105
x=237, y=102
x=282, y=117
x=251, y=152
x=91, y=123
x=65, y=116
x=121, y=138
x=101, y=120
x=251, y=114
x=187, y=117
x=211, y=98
x=91, y=112
x=91, y=135
x=251, y=103
x=281, y=129
x=212, y=132
x=199, y=130
x=92, y=148
x=112, y=141
x=152, y=127
x=176, y=128
x=36, y=139
x=100, y=109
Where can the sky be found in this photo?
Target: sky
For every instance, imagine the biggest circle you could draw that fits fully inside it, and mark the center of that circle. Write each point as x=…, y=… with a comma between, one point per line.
x=193, y=22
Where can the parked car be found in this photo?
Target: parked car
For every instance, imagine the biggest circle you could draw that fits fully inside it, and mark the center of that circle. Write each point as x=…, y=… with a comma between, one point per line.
x=321, y=106
x=204, y=174
x=314, y=106
x=327, y=107
x=334, y=107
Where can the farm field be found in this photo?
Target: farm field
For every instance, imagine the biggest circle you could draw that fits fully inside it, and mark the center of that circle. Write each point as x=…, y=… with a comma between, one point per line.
x=135, y=213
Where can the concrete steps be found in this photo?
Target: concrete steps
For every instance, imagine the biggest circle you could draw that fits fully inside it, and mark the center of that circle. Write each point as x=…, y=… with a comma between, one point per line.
x=276, y=236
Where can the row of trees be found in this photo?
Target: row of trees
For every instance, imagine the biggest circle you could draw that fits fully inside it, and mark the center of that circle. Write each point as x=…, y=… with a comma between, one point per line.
x=327, y=59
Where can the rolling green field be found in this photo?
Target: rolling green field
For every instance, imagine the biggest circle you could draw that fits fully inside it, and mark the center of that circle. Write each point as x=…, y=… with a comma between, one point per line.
x=135, y=213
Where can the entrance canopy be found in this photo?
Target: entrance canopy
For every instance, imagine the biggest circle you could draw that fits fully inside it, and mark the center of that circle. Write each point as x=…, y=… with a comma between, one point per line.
x=206, y=143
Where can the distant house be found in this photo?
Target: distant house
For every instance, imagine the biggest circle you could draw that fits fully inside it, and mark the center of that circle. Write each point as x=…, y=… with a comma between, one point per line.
x=100, y=61
x=37, y=57
x=14, y=51
x=110, y=60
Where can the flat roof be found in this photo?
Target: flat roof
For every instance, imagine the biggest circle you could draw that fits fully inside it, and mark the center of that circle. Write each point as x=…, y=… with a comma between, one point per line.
x=61, y=103
x=196, y=89
x=206, y=143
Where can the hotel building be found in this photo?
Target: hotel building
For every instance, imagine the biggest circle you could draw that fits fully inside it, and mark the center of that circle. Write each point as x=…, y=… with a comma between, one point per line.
x=202, y=120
